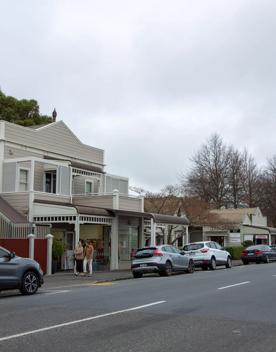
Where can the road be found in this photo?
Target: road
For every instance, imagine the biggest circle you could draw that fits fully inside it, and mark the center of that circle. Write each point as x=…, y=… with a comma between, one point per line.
x=222, y=310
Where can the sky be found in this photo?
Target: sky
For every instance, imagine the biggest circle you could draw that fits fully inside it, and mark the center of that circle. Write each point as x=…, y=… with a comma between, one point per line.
x=148, y=81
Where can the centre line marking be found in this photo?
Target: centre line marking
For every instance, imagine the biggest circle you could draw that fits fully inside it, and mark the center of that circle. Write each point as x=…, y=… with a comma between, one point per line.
x=240, y=283
x=79, y=321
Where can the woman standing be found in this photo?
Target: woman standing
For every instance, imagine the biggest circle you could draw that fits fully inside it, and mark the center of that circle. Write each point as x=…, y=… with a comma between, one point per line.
x=79, y=258
x=88, y=259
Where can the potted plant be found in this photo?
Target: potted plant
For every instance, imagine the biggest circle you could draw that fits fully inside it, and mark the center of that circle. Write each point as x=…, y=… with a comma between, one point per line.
x=57, y=251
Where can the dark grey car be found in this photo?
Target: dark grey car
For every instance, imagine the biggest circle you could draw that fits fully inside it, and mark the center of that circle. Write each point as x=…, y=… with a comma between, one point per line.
x=19, y=273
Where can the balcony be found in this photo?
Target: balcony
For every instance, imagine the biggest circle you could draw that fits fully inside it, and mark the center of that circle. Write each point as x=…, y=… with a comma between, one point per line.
x=113, y=200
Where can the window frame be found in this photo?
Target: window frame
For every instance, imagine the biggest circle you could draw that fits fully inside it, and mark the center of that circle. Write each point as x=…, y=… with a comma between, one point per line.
x=92, y=186
x=19, y=179
x=51, y=171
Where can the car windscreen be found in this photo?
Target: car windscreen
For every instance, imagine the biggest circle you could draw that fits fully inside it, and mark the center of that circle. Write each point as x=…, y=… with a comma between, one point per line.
x=261, y=247
x=193, y=246
x=145, y=252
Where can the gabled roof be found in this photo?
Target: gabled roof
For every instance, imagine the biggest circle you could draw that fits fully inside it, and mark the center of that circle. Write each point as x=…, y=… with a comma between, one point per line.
x=163, y=205
x=233, y=216
x=55, y=138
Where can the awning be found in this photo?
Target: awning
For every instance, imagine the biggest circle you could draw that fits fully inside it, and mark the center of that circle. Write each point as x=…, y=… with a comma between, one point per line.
x=216, y=234
x=87, y=210
x=158, y=218
x=270, y=230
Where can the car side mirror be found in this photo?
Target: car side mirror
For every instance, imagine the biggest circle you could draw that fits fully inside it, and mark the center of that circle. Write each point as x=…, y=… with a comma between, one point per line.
x=182, y=252
x=12, y=255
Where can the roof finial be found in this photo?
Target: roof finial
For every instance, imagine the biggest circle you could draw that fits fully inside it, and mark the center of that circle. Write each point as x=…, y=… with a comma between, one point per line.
x=54, y=114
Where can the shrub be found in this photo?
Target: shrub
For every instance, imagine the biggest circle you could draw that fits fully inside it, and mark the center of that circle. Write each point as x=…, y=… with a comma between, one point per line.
x=247, y=243
x=235, y=251
x=57, y=249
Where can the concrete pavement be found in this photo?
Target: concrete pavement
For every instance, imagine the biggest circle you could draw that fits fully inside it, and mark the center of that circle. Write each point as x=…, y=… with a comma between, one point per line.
x=62, y=279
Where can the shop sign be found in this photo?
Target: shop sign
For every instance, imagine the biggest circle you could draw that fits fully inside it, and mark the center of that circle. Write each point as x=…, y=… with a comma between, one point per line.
x=261, y=237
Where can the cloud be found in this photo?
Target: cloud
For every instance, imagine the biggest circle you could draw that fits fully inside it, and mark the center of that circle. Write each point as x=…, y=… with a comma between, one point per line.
x=147, y=81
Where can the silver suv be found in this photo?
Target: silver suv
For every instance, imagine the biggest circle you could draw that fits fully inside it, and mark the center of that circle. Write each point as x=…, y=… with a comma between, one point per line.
x=163, y=259
x=208, y=254
x=19, y=273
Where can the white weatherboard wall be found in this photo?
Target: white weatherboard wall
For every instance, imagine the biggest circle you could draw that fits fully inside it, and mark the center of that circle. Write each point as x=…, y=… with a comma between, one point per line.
x=54, y=138
x=52, y=210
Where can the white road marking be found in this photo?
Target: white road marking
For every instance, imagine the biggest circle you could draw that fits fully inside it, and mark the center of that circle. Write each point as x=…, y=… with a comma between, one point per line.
x=79, y=321
x=57, y=292
x=274, y=275
x=240, y=283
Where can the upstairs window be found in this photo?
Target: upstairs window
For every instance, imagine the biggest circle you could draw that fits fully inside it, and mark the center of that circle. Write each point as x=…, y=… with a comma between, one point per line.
x=23, y=180
x=51, y=181
x=88, y=187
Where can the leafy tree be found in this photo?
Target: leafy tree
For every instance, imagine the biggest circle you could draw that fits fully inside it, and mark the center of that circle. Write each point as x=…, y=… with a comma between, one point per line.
x=22, y=112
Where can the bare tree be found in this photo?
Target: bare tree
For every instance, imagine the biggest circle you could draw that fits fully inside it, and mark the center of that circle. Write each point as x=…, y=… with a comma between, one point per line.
x=208, y=178
x=236, y=178
x=251, y=181
x=267, y=191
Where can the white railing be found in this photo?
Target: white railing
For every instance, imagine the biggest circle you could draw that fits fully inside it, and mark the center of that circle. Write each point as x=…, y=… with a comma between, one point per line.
x=10, y=230
x=76, y=171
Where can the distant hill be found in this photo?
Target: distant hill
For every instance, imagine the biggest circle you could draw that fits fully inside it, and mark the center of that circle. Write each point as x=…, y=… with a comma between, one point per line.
x=22, y=112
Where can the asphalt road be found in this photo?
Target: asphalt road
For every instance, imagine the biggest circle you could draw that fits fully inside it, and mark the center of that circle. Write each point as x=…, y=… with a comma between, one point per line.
x=222, y=310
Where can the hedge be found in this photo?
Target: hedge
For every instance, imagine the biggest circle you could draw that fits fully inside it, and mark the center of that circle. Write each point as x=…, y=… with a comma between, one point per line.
x=235, y=251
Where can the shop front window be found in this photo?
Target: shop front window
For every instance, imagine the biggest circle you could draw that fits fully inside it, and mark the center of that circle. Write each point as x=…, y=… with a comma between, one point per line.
x=128, y=242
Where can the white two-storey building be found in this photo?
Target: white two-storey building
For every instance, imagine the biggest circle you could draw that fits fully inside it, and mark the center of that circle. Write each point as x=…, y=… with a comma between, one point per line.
x=51, y=178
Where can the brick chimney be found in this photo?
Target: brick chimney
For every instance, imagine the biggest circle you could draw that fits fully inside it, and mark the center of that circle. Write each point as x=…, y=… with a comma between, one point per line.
x=54, y=115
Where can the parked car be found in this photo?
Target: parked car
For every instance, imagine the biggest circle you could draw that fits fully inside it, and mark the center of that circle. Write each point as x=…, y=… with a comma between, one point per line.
x=258, y=253
x=208, y=254
x=164, y=260
x=19, y=273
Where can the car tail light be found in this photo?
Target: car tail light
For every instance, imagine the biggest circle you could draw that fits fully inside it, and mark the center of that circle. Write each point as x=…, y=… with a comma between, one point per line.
x=204, y=250
x=258, y=251
x=243, y=253
x=157, y=253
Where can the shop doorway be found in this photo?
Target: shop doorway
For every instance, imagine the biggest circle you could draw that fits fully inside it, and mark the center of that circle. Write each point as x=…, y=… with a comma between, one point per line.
x=69, y=245
x=218, y=239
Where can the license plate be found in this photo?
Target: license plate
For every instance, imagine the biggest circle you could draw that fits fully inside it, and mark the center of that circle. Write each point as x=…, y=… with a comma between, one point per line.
x=143, y=265
x=250, y=254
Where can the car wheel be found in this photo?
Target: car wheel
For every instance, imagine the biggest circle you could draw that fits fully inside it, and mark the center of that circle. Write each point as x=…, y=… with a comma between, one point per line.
x=245, y=262
x=228, y=263
x=266, y=260
x=137, y=275
x=169, y=269
x=213, y=264
x=30, y=283
x=191, y=267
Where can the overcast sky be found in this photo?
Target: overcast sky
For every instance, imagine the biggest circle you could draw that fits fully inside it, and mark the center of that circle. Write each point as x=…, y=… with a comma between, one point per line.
x=147, y=81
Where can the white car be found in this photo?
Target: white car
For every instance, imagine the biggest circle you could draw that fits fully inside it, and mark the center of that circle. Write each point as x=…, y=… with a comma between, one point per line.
x=208, y=254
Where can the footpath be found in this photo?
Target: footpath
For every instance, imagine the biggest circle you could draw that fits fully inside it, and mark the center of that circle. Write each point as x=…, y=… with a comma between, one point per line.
x=67, y=278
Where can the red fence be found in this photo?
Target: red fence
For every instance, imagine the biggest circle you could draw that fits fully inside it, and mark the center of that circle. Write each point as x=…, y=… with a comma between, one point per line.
x=40, y=253
x=21, y=248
